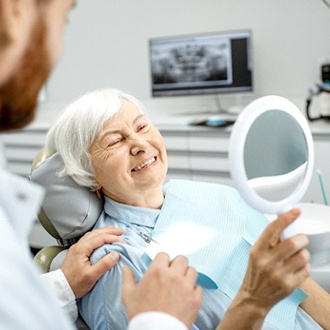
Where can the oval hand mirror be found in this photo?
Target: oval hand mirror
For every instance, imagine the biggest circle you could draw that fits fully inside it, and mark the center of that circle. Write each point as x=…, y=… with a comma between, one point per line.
x=271, y=155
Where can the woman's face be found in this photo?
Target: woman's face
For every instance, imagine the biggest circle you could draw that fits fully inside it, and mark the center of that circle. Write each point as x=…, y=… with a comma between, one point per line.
x=129, y=157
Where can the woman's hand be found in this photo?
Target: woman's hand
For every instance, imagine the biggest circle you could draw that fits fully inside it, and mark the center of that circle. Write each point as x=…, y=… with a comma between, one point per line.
x=275, y=269
x=77, y=268
x=167, y=286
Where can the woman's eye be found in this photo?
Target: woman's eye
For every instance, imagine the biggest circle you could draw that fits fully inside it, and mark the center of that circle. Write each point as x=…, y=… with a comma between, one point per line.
x=142, y=127
x=113, y=143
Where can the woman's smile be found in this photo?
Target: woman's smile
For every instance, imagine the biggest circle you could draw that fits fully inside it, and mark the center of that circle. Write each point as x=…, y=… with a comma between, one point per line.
x=145, y=164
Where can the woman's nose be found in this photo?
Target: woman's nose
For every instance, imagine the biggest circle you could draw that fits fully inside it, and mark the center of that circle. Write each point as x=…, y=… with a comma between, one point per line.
x=138, y=145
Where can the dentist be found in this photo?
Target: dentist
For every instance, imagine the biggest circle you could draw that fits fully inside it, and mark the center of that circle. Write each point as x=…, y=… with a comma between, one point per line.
x=31, y=33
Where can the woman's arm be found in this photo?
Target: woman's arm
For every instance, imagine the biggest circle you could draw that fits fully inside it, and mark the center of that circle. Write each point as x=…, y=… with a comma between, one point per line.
x=77, y=268
x=317, y=305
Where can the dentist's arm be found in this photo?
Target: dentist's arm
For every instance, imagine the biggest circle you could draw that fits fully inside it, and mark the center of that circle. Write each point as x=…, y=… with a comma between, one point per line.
x=77, y=276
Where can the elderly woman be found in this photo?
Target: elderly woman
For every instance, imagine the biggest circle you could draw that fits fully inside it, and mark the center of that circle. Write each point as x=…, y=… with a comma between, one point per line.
x=108, y=144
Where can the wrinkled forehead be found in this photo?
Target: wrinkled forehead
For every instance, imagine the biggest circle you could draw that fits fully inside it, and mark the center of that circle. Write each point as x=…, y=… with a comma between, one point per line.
x=129, y=109
x=127, y=114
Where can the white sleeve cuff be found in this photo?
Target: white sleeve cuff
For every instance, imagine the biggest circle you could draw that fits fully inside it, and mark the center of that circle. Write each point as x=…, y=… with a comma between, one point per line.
x=61, y=290
x=155, y=320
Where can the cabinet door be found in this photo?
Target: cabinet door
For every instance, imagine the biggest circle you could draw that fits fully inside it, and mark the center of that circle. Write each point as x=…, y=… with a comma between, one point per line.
x=21, y=147
x=198, y=154
x=208, y=152
x=176, y=143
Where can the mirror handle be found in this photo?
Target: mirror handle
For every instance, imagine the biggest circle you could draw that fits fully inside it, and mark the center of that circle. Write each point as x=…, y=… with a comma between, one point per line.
x=290, y=231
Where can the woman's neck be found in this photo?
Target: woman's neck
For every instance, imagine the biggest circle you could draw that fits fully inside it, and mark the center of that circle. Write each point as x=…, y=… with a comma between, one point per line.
x=148, y=199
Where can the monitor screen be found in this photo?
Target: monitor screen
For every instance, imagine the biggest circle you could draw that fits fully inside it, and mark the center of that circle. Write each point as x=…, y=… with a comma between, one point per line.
x=202, y=64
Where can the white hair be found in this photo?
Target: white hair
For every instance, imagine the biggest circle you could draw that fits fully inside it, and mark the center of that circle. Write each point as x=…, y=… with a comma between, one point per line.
x=78, y=126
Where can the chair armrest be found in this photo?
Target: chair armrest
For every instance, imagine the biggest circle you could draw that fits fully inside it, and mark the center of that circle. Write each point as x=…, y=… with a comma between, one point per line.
x=46, y=255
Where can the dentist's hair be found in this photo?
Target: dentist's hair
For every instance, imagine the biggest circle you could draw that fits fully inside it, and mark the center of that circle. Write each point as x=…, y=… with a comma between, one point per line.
x=78, y=126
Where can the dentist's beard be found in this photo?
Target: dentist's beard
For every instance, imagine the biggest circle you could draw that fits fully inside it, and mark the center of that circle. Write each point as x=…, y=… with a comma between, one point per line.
x=19, y=95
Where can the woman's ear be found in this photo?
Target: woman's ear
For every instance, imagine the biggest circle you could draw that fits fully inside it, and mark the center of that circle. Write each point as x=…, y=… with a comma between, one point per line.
x=98, y=187
x=98, y=191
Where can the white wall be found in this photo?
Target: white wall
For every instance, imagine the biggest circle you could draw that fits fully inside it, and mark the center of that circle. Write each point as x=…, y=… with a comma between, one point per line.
x=106, y=45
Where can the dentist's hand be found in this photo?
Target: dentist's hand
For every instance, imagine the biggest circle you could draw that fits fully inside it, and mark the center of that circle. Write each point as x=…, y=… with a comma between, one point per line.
x=77, y=268
x=167, y=286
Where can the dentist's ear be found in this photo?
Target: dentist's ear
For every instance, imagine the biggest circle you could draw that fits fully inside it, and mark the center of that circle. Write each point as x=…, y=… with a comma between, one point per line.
x=17, y=18
x=14, y=19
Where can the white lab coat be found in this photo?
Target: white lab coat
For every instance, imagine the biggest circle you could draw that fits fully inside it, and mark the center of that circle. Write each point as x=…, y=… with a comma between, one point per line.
x=25, y=302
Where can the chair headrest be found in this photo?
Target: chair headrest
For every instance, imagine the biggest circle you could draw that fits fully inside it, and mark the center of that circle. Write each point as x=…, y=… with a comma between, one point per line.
x=68, y=210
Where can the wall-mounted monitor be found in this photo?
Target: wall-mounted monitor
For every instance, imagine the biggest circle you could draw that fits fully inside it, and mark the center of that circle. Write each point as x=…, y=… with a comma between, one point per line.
x=197, y=64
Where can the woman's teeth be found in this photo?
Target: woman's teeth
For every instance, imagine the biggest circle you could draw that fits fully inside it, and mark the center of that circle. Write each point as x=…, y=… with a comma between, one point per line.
x=147, y=163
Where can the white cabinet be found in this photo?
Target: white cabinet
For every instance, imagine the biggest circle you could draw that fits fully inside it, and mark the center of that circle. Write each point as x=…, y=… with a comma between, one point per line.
x=197, y=153
x=20, y=148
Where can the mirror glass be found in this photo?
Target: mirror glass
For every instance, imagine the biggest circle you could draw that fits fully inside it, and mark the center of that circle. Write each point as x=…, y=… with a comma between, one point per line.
x=275, y=155
x=271, y=154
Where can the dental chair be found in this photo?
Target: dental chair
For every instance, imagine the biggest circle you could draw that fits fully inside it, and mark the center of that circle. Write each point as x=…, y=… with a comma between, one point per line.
x=68, y=211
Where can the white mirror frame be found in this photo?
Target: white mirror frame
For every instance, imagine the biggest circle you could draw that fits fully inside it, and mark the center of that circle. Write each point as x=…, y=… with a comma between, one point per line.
x=236, y=153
